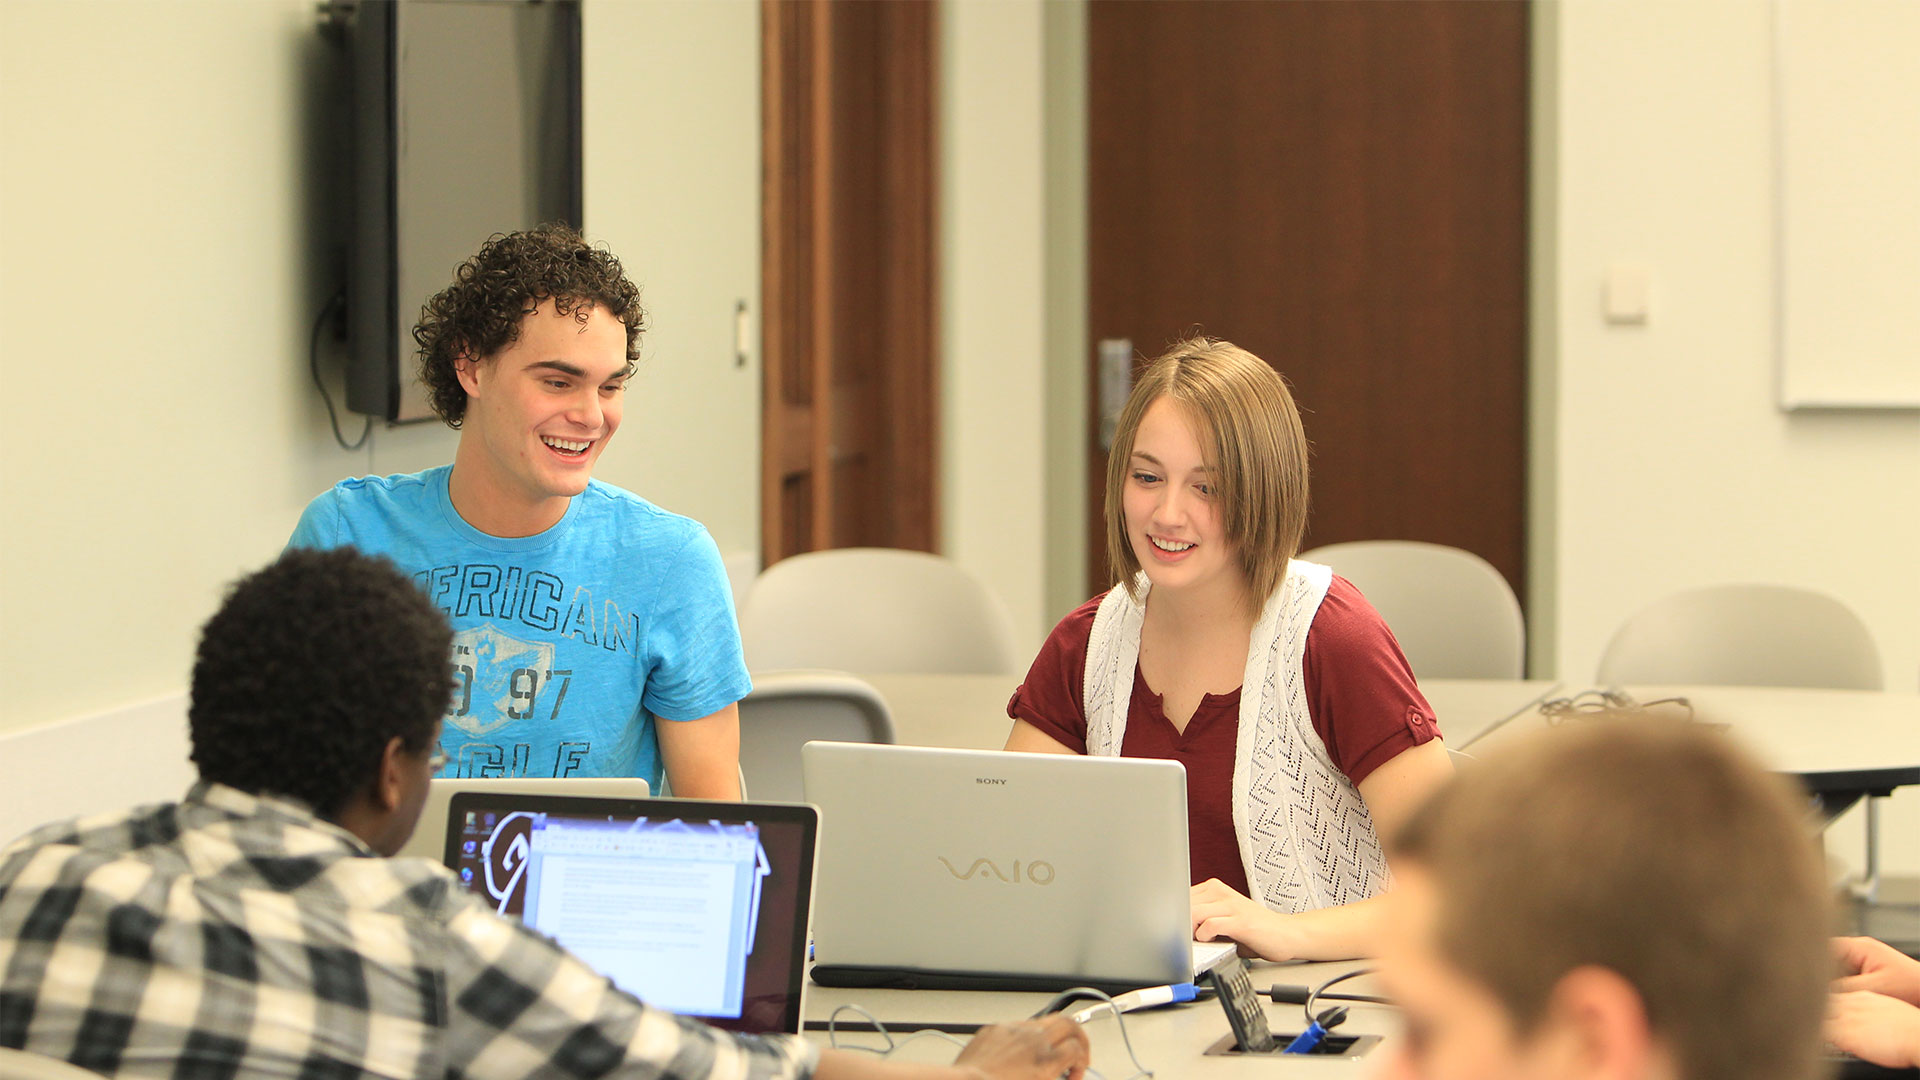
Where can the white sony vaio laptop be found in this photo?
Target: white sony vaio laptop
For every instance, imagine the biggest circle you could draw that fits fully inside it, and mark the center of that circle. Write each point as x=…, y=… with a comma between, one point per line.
x=429, y=833
x=959, y=869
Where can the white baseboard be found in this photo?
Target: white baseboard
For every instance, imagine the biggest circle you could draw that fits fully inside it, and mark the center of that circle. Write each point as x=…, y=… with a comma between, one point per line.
x=93, y=764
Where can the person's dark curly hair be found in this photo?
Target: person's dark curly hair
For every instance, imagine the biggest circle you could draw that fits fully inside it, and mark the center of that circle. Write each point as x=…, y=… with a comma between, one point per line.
x=480, y=313
x=309, y=668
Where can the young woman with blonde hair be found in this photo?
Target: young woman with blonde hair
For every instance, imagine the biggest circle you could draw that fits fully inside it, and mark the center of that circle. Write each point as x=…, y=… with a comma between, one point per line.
x=1278, y=686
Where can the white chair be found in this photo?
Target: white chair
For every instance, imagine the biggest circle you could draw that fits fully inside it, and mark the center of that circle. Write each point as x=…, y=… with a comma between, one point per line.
x=742, y=567
x=1744, y=635
x=876, y=611
x=790, y=708
x=1454, y=615
x=21, y=1065
x=1753, y=635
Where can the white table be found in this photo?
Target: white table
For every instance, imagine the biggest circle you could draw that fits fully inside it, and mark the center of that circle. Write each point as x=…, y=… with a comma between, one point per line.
x=1843, y=744
x=967, y=712
x=1468, y=709
x=970, y=711
x=1171, y=1041
x=1837, y=740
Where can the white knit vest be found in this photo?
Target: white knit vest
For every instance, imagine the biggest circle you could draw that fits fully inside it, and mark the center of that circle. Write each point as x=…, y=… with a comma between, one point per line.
x=1306, y=839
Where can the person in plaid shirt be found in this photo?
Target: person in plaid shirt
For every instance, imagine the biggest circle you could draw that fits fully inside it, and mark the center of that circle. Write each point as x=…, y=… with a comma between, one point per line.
x=254, y=929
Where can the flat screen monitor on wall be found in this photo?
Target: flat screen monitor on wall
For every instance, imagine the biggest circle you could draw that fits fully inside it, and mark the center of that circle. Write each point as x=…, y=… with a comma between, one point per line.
x=466, y=123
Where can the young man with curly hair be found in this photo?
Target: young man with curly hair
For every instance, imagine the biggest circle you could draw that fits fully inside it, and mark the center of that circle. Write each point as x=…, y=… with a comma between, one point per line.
x=252, y=930
x=594, y=631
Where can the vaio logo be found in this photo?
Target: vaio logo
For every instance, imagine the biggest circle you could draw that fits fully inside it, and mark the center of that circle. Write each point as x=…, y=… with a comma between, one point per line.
x=1036, y=872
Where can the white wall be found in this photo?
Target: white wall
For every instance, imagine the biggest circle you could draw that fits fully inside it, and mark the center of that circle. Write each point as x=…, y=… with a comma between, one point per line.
x=1068, y=350
x=162, y=249
x=993, y=340
x=155, y=194
x=673, y=186
x=174, y=147
x=157, y=201
x=1674, y=467
x=1543, y=341
x=57, y=771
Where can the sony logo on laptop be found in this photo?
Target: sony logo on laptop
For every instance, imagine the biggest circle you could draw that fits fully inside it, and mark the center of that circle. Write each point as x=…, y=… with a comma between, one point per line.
x=1037, y=872
x=1001, y=781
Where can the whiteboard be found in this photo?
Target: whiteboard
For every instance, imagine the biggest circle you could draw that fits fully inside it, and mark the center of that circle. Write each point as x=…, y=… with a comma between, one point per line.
x=1847, y=251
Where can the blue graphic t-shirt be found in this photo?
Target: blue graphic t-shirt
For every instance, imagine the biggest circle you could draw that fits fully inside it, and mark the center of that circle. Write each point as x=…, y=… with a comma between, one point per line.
x=566, y=644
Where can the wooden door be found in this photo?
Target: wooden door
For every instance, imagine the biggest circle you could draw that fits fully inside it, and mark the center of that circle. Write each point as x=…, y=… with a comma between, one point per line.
x=1340, y=188
x=849, y=409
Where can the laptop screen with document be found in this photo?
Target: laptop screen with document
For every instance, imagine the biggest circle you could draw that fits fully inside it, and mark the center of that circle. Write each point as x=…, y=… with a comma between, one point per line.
x=696, y=907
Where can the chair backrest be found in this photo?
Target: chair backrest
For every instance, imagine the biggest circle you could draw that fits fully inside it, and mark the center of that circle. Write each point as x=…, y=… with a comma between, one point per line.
x=788, y=709
x=878, y=611
x=742, y=567
x=21, y=1065
x=1744, y=635
x=1454, y=615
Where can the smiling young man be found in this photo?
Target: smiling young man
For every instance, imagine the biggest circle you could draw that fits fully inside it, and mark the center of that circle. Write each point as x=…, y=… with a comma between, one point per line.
x=1629, y=900
x=594, y=631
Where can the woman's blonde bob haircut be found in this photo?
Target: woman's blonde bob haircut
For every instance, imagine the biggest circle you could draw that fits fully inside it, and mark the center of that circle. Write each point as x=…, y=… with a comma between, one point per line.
x=1254, y=446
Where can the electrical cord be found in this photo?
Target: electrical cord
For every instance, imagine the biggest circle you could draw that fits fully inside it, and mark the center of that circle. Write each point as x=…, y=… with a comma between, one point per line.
x=1084, y=993
x=1317, y=992
x=1295, y=994
x=1320, y=1025
x=1067, y=997
x=833, y=1039
x=313, y=365
x=1058, y=1002
x=833, y=1033
x=1603, y=703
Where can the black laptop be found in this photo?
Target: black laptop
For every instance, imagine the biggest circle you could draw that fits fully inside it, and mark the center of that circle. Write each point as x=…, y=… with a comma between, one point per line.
x=693, y=906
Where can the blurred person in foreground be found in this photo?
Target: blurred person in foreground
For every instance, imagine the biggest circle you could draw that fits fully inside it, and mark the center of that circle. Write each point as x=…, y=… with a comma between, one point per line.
x=1627, y=899
x=256, y=928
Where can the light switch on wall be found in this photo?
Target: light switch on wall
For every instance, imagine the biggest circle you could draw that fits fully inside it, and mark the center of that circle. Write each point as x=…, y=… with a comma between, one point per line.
x=1625, y=299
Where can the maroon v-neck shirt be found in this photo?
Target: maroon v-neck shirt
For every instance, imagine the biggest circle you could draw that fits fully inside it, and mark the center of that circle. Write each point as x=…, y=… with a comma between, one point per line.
x=1361, y=696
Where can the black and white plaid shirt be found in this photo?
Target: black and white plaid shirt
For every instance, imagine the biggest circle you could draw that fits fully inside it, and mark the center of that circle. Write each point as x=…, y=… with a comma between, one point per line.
x=232, y=936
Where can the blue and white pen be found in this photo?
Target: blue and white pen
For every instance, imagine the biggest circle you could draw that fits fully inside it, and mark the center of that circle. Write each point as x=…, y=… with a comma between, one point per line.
x=1144, y=998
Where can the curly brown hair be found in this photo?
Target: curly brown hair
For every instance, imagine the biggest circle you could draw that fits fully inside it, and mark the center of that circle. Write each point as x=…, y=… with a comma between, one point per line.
x=481, y=312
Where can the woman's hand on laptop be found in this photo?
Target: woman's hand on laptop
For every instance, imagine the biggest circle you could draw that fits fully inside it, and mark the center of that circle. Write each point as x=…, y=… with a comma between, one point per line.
x=1337, y=933
x=1874, y=1027
x=1046, y=1049
x=1221, y=913
x=1867, y=964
